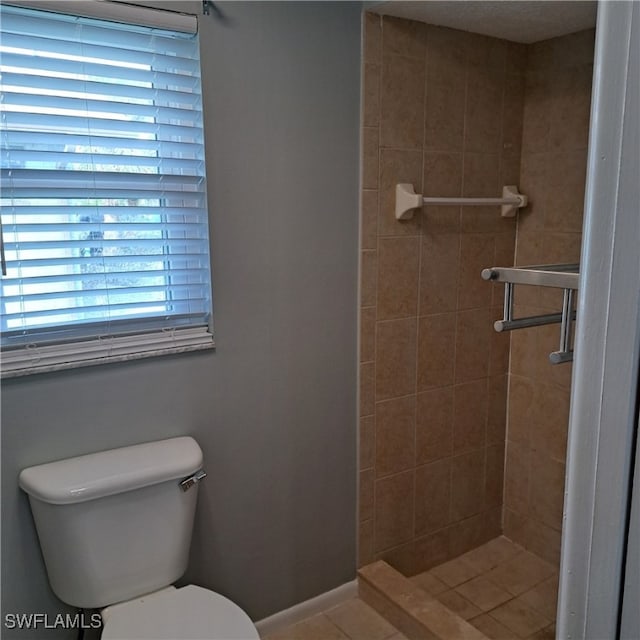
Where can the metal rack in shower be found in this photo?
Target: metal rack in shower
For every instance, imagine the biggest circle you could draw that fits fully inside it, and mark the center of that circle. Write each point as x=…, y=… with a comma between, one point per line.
x=559, y=276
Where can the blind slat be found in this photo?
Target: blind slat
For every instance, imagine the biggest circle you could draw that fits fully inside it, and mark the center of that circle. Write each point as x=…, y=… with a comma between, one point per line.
x=127, y=93
x=132, y=75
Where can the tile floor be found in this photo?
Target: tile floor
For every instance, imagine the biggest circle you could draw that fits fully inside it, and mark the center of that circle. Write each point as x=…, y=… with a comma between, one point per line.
x=504, y=591
x=501, y=589
x=352, y=620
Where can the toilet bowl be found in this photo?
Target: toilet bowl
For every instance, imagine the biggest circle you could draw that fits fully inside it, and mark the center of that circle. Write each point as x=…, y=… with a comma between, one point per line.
x=187, y=613
x=115, y=527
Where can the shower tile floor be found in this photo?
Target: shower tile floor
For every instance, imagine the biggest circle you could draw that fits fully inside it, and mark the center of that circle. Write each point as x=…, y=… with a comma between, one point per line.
x=500, y=588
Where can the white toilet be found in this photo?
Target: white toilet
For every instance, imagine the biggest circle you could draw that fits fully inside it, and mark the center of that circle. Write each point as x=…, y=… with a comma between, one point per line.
x=115, y=529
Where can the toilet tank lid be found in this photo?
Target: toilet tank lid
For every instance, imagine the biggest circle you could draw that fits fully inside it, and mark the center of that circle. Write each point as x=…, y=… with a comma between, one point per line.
x=109, y=472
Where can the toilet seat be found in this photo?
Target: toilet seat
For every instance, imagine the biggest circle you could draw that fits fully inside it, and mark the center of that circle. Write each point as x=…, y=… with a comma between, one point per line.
x=188, y=613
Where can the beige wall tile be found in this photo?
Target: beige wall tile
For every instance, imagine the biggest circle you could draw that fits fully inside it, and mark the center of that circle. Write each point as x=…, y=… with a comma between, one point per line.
x=515, y=525
x=540, y=56
x=366, y=494
x=477, y=252
x=369, y=220
x=522, y=409
x=398, y=165
x=444, y=107
x=442, y=174
x=575, y=49
x=398, y=269
x=550, y=435
x=436, y=340
x=516, y=487
x=492, y=523
x=486, y=219
x=500, y=346
x=367, y=442
x=467, y=484
x=395, y=435
x=368, y=278
x=395, y=358
x=367, y=389
x=505, y=253
x=434, y=425
x=365, y=543
x=483, y=129
x=372, y=37
x=371, y=97
x=433, y=492
x=570, y=108
x=497, y=409
x=481, y=176
x=562, y=247
x=484, y=52
x=534, y=181
x=403, y=37
x=394, y=510
x=546, y=490
x=566, y=183
x=401, y=558
x=370, y=146
x=439, y=265
x=468, y=534
x=513, y=105
x=470, y=415
x=431, y=550
x=544, y=541
x=494, y=475
x=440, y=219
x=516, y=57
x=509, y=165
x=367, y=334
x=402, y=120
x=536, y=124
x=524, y=345
x=473, y=343
x=447, y=48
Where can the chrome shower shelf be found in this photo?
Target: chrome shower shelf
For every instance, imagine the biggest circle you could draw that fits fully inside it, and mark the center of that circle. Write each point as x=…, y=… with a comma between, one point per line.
x=559, y=276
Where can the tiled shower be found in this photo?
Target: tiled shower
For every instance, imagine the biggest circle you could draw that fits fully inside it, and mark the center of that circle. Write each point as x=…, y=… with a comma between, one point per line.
x=462, y=429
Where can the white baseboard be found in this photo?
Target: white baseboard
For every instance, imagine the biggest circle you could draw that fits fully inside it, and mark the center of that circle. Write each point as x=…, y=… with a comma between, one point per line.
x=306, y=609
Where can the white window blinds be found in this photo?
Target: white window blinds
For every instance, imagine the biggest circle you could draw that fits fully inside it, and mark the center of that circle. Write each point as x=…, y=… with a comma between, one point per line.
x=103, y=202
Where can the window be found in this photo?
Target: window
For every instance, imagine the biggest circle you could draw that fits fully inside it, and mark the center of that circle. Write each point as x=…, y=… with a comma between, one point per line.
x=103, y=201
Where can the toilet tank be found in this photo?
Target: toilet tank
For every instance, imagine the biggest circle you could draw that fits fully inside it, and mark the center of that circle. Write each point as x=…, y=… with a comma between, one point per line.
x=117, y=524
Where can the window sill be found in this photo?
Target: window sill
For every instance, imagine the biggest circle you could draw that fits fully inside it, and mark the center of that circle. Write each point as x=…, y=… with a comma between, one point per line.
x=32, y=360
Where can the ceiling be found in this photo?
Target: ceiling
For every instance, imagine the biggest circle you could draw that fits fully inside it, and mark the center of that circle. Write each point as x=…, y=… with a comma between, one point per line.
x=516, y=20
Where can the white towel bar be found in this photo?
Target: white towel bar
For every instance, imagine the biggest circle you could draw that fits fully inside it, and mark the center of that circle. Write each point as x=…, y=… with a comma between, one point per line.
x=407, y=201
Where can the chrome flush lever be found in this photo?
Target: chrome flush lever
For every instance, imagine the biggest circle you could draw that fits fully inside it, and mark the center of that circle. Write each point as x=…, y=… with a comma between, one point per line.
x=187, y=483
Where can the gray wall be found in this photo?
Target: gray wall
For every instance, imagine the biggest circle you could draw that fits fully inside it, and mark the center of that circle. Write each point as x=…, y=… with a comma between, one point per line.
x=274, y=408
